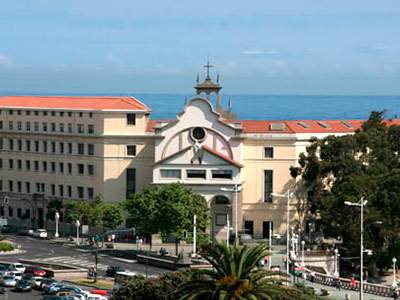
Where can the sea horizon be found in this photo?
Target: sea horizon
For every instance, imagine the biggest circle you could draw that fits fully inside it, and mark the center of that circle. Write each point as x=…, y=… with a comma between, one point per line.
x=264, y=107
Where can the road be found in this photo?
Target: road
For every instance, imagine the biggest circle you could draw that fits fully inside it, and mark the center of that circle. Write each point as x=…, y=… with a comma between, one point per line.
x=45, y=251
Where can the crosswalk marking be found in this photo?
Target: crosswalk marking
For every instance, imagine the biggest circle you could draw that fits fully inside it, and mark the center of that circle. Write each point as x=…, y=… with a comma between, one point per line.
x=74, y=261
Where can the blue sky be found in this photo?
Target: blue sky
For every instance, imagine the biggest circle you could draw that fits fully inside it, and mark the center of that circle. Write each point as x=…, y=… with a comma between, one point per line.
x=258, y=47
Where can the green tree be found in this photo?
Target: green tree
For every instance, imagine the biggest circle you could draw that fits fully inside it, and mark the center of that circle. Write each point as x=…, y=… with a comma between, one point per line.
x=112, y=215
x=53, y=206
x=235, y=275
x=366, y=164
x=167, y=210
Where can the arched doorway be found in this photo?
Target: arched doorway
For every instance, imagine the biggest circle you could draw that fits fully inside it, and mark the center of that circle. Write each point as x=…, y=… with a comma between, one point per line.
x=221, y=212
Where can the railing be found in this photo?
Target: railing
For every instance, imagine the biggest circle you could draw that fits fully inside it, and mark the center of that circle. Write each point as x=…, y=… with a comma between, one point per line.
x=345, y=283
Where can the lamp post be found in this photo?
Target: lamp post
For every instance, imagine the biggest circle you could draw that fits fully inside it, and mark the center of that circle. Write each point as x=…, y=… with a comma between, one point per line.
x=227, y=229
x=394, y=283
x=336, y=272
x=194, y=234
x=57, y=217
x=360, y=204
x=270, y=244
x=77, y=224
x=287, y=195
x=302, y=252
x=235, y=190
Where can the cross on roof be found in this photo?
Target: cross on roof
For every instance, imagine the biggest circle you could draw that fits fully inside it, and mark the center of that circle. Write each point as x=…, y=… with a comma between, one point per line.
x=208, y=66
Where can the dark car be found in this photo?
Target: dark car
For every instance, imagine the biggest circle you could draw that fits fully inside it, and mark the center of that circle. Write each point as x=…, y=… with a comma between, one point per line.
x=23, y=286
x=45, y=283
x=3, y=270
x=112, y=270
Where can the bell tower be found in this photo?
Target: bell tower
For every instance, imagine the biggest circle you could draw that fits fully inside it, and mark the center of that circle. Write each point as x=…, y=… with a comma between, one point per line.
x=208, y=88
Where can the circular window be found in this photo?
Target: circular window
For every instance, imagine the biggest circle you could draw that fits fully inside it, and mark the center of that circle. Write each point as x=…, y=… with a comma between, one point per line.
x=198, y=134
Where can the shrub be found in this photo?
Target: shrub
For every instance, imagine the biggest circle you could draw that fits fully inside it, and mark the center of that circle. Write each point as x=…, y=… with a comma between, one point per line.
x=2, y=237
x=6, y=247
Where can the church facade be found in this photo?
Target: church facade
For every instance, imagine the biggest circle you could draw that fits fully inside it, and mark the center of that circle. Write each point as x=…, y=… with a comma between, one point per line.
x=78, y=147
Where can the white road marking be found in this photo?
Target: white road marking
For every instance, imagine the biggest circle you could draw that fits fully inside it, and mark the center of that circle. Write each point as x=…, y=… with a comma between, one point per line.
x=124, y=260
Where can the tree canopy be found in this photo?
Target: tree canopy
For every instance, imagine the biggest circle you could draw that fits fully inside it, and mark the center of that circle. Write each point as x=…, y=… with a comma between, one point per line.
x=167, y=210
x=365, y=164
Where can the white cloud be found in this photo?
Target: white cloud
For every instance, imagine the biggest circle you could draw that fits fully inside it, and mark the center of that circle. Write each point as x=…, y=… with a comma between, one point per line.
x=5, y=61
x=261, y=52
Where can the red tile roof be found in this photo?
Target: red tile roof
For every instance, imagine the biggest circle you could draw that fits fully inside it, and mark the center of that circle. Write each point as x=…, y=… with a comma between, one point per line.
x=73, y=103
x=296, y=126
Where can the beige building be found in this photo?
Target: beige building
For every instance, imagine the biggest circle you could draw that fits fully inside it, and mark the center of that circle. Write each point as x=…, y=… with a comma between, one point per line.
x=79, y=147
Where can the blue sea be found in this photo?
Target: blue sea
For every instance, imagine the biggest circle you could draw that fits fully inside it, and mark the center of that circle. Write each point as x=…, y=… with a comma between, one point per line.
x=277, y=107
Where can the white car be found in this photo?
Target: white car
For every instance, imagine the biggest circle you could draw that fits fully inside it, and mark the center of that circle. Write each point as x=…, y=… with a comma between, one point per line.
x=8, y=281
x=37, y=280
x=40, y=233
x=17, y=267
x=17, y=275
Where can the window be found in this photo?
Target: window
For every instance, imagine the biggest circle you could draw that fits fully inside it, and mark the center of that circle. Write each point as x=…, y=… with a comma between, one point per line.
x=28, y=126
x=131, y=119
x=53, y=147
x=90, y=149
x=171, y=173
x=19, y=112
x=11, y=164
x=37, y=187
x=10, y=185
x=61, y=147
x=130, y=182
x=44, y=166
x=221, y=174
x=90, y=115
x=196, y=174
x=69, y=148
x=10, y=125
x=70, y=114
x=19, y=212
x=69, y=191
x=11, y=144
x=90, y=129
x=131, y=150
x=44, y=146
x=81, y=169
x=53, y=126
x=61, y=190
x=10, y=111
x=80, y=114
x=268, y=185
x=1, y=185
x=81, y=149
x=1, y=163
x=53, y=167
x=36, y=113
x=81, y=128
x=19, y=164
x=28, y=145
x=44, y=126
x=36, y=146
x=28, y=187
x=1, y=144
x=36, y=126
x=27, y=213
x=1, y=124
x=36, y=165
x=61, y=127
x=70, y=127
x=53, y=113
x=221, y=219
x=69, y=168
x=53, y=189
x=28, y=165
x=90, y=193
x=10, y=211
x=249, y=227
x=61, y=114
x=80, y=192
x=90, y=170
x=61, y=167
x=45, y=113
x=28, y=112
x=19, y=125
x=19, y=186
x=268, y=152
x=19, y=145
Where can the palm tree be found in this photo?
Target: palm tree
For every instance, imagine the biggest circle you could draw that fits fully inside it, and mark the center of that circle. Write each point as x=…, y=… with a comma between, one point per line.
x=234, y=275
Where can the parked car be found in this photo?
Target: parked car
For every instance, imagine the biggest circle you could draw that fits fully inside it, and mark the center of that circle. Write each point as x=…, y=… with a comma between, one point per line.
x=5, y=229
x=46, y=282
x=8, y=280
x=53, y=288
x=23, y=286
x=37, y=281
x=26, y=232
x=3, y=270
x=111, y=270
x=96, y=297
x=40, y=233
x=71, y=289
x=17, y=267
x=35, y=271
x=17, y=274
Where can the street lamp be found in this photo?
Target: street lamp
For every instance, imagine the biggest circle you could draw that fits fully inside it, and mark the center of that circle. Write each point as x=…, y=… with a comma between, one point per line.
x=360, y=204
x=302, y=252
x=57, y=217
x=77, y=224
x=336, y=273
x=287, y=195
x=394, y=284
x=228, y=229
x=194, y=235
x=235, y=190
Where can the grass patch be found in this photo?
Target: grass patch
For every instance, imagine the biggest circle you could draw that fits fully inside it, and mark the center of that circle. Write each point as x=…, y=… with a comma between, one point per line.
x=5, y=247
x=100, y=284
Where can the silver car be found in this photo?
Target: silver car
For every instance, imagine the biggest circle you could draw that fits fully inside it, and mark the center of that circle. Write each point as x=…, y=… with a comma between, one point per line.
x=9, y=280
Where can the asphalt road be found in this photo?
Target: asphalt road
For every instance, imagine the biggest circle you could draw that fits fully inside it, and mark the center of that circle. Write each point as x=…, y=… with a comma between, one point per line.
x=43, y=250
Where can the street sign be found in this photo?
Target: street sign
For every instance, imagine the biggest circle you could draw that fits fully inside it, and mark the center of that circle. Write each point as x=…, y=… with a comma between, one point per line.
x=85, y=229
